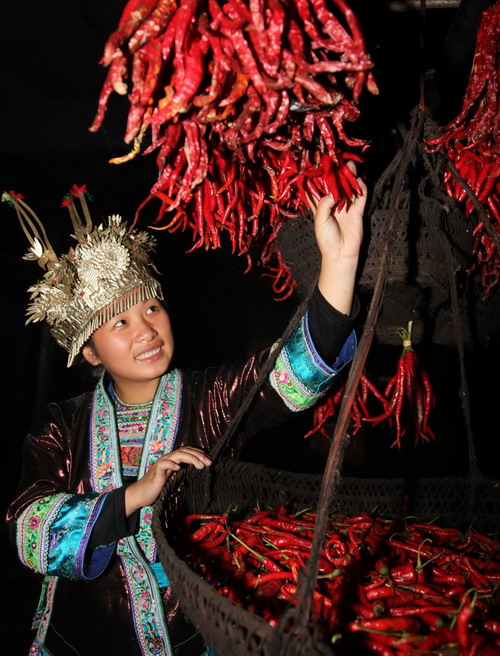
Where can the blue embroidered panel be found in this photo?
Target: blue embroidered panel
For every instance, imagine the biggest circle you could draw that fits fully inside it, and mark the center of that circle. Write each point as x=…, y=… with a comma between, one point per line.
x=300, y=375
x=69, y=537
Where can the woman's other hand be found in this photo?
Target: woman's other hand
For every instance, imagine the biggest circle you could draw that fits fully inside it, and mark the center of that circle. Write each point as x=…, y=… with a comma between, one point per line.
x=147, y=489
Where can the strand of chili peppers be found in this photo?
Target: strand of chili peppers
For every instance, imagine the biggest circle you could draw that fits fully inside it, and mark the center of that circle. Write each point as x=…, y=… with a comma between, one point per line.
x=245, y=105
x=409, y=393
x=472, y=142
x=360, y=412
x=425, y=588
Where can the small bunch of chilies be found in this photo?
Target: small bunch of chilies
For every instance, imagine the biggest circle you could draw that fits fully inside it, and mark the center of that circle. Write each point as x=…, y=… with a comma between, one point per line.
x=406, y=401
x=245, y=104
x=383, y=587
x=472, y=142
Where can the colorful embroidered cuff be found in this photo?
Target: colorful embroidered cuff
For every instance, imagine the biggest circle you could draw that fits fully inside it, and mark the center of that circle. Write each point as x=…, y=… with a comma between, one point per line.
x=69, y=554
x=300, y=376
x=33, y=530
x=53, y=535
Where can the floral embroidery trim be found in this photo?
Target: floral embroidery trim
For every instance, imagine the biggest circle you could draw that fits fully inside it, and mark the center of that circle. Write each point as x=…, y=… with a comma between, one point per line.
x=32, y=530
x=138, y=551
x=44, y=610
x=146, y=601
x=298, y=374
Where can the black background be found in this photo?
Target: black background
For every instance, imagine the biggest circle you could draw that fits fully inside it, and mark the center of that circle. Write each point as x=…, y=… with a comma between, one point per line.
x=50, y=82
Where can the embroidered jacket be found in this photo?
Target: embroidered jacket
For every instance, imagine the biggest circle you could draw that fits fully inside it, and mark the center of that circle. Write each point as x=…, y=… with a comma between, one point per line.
x=111, y=599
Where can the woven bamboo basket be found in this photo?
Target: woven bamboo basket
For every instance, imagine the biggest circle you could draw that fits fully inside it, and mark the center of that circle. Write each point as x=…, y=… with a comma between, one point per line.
x=230, y=629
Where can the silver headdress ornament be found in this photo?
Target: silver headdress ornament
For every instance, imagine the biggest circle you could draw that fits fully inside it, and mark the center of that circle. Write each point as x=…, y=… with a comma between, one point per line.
x=106, y=273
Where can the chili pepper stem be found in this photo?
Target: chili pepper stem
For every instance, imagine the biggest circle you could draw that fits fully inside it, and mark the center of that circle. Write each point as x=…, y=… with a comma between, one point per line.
x=406, y=336
x=259, y=556
x=419, y=565
x=462, y=604
x=395, y=634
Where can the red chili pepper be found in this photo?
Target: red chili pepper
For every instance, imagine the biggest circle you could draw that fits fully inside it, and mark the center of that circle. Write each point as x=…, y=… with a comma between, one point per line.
x=215, y=542
x=193, y=518
x=405, y=611
x=380, y=593
x=404, y=573
x=450, y=579
x=368, y=611
x=440, y=642
x=254, y=581
x=432, y=619
x=134, y=13
x=464, y=615
x=492, y=626
x=294, y=526
x=476, y=575
x=265, y=561
x=207, y=529
x=401, y=597
x=455, y=591
x=411, y=548
x=393, y=624
x=378, y=648
x=153, y=25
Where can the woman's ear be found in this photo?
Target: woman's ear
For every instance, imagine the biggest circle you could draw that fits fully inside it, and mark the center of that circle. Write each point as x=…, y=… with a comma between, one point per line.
x=90, y=355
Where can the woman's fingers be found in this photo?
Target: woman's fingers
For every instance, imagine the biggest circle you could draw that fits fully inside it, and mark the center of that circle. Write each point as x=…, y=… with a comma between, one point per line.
x=352, y=166
x=319, y=203
x=310, y=201
x=185, y=455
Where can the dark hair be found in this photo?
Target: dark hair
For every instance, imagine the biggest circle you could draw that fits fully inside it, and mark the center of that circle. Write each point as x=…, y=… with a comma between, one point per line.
x=91, y=372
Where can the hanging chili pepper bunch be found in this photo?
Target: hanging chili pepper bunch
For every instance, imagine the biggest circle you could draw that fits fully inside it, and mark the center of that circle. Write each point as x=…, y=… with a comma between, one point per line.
x=472, y=142
x=409, y=394
x=328, y=406
x=245, y=105
x=381, y=588
x=406, y=401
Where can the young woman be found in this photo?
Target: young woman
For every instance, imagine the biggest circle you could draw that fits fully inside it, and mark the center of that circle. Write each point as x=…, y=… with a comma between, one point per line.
x=90, y=475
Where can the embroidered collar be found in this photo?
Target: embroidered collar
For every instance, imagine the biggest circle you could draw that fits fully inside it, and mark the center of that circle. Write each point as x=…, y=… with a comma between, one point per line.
x=123, y=404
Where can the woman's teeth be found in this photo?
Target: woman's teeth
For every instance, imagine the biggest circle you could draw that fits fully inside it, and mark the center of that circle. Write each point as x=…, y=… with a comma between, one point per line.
x=148, y=354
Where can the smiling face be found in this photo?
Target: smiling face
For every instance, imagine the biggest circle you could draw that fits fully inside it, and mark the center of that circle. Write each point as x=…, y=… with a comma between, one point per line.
x=135, y=348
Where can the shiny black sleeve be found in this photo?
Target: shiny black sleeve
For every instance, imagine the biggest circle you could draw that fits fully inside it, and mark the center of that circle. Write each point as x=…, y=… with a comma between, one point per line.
x=112, y=524
x=328, y=327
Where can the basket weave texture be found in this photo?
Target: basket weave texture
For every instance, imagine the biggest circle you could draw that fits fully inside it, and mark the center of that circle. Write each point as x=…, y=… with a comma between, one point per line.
x=418, y=277
x=230, y=629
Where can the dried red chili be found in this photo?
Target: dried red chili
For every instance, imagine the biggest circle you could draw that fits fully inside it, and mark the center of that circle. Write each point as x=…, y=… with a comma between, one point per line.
x=247, y=90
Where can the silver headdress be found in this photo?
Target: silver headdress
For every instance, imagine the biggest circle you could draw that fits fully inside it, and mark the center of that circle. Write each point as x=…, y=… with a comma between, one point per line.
x=106, y=273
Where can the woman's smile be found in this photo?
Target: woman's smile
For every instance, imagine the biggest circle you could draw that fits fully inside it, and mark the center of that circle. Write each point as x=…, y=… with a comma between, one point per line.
x=151, y=354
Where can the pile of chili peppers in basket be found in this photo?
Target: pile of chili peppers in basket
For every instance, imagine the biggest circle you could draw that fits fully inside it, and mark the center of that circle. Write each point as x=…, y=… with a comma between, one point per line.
x=472, y=143
x=245, y=104
x=382, y=587
x=406, y=401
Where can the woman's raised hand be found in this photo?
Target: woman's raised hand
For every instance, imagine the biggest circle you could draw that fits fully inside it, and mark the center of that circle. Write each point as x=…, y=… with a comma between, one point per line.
x=339, y=232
